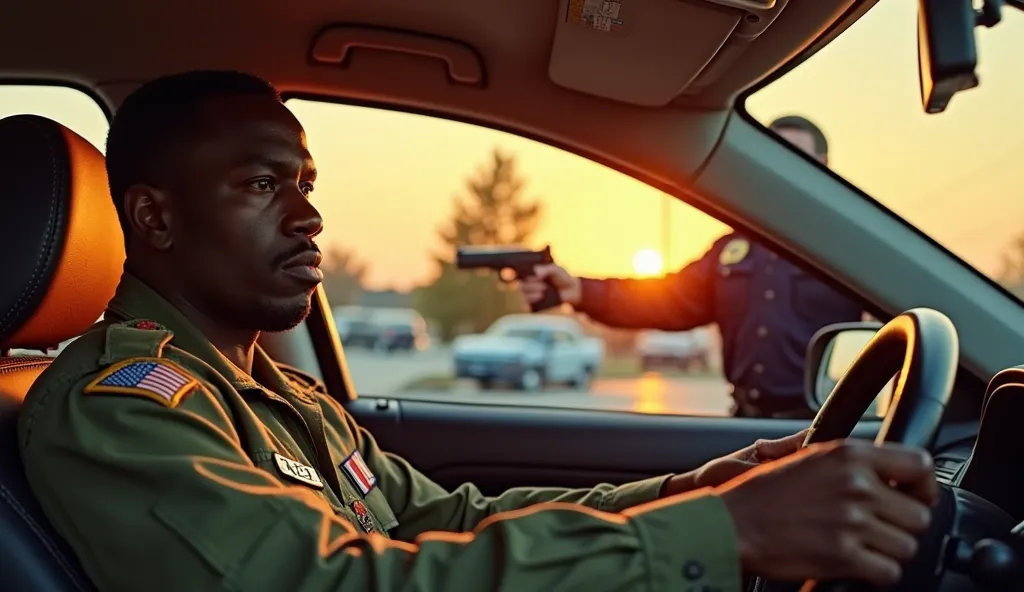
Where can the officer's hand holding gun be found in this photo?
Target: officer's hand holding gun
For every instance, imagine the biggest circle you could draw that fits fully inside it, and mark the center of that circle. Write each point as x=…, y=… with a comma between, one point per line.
x=544, y=284
x=568, y=285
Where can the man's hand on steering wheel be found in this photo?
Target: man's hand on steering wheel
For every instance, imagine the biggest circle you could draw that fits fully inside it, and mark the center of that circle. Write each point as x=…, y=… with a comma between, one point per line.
x=830, y=511
x=721, y=470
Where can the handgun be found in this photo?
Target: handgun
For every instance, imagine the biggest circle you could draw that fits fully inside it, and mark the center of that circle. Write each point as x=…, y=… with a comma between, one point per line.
x=520, y=260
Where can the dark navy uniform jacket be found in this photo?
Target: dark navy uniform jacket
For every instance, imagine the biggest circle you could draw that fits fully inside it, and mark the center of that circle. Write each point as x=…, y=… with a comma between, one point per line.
x=766, y=308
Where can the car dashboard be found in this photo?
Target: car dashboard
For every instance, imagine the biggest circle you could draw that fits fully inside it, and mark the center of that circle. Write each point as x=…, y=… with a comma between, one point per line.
x=950, y=465
x=955, y=440
x=989, y=470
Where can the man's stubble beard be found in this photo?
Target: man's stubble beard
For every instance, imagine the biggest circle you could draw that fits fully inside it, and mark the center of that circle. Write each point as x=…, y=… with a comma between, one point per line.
x=281, y=317
x=264, y=315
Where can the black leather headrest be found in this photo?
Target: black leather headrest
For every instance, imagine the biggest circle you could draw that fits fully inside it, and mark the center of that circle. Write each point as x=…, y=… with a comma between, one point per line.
x=61, y=244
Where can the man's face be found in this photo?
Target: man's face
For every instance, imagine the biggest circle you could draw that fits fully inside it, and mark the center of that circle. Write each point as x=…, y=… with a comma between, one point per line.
x=802, y=140
x=243, y=225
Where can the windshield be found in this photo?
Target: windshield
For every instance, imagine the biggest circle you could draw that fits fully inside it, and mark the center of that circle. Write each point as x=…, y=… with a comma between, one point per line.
x=953, y=175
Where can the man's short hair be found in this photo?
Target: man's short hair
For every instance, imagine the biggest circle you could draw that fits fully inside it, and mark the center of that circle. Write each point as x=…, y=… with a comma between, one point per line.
x=803, y=124
x=154, y=119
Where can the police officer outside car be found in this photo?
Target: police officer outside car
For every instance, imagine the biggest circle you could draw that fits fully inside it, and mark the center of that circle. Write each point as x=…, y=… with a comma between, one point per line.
x=766, y=307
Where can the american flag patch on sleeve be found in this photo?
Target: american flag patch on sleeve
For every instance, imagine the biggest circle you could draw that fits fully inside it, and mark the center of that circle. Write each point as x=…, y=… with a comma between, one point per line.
x=156, y=379
x=358, y=473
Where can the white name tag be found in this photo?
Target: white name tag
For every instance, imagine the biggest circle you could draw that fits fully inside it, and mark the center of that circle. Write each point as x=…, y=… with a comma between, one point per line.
x=297, y=471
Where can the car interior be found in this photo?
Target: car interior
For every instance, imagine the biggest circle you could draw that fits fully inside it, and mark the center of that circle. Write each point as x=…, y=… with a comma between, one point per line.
x=676, y=123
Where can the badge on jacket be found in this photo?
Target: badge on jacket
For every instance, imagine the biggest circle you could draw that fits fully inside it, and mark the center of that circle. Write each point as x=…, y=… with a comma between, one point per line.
x=297, y=471
x=735, y=251
x=362, y=515
x=358, y=473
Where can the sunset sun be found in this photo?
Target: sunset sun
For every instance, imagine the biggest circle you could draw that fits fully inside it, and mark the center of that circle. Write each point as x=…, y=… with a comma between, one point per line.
x=648, y=262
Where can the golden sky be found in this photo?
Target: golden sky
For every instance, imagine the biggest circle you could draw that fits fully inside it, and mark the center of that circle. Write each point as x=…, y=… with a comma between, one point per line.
x=387, y=179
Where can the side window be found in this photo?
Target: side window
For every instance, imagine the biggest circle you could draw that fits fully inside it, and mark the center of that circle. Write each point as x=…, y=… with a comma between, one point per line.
x=400, y=192
x=72, y=108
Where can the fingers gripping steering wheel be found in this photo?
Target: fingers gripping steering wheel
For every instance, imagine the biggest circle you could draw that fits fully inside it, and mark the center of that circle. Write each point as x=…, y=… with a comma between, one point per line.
x=921, y=345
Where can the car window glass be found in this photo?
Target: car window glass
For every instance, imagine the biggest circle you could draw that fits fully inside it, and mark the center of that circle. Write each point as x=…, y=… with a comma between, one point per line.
x=70, y=107
x=953, y=175
x=399, y=192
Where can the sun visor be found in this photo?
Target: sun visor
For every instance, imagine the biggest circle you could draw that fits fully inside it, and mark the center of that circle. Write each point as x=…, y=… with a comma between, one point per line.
x=648, y=52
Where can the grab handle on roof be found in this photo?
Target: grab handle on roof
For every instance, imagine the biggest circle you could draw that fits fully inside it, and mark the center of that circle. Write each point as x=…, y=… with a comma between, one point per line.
x=334, y=45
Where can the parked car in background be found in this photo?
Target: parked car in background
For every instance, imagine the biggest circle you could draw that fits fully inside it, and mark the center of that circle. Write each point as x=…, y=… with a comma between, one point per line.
x=400, y=329
x=344, y=316
x=529, y=351
x=381, y=329
x=355, y=326
x=685, y=350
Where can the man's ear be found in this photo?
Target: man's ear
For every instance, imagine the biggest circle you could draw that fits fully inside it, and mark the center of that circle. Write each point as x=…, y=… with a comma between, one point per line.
x=149, y=216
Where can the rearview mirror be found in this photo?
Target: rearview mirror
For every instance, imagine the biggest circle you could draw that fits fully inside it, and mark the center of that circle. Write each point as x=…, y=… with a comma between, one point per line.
x=946, y=53
x=831, y=352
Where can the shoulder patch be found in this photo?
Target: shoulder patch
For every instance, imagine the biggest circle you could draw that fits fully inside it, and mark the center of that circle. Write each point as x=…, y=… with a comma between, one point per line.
x=156, y=379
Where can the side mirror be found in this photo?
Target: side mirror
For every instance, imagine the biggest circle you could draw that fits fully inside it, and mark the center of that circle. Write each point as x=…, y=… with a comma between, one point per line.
x=830, y=353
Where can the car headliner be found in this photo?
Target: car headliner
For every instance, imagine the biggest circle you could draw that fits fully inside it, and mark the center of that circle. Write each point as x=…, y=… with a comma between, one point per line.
x=111, y=45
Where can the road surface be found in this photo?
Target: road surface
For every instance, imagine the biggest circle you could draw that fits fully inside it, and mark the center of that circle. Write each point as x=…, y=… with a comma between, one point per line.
x=377, y=374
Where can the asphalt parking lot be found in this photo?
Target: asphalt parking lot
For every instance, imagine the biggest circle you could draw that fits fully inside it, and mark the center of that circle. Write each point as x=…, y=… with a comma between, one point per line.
x=377, y=374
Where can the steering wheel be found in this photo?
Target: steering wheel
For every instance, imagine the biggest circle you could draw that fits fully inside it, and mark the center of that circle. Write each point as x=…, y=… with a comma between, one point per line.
x=921, y=345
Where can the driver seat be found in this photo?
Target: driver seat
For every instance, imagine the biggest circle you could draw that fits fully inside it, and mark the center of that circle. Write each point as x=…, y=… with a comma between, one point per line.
x=61, y=219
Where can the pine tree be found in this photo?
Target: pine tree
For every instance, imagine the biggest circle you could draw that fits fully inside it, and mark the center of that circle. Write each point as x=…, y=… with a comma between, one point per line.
x=493, y=211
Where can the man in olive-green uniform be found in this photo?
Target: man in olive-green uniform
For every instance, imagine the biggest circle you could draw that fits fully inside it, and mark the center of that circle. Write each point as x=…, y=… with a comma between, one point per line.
x=173, y=454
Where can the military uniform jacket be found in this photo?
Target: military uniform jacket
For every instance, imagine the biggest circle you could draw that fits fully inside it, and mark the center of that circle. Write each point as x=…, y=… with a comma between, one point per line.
x=168, y=468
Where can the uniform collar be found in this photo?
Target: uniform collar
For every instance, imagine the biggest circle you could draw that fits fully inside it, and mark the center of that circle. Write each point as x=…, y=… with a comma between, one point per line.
x=134, y=299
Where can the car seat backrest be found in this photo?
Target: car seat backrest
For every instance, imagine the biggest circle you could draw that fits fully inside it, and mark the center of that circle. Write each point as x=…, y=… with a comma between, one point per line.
x=65, y=251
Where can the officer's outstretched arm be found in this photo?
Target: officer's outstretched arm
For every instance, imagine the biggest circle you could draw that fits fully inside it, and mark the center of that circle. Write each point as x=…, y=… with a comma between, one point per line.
x=159, y=497
x=679, y=301
x=422, y=505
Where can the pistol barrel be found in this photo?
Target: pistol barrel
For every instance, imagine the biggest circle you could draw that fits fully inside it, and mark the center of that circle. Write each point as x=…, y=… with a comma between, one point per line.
x=498, y=258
